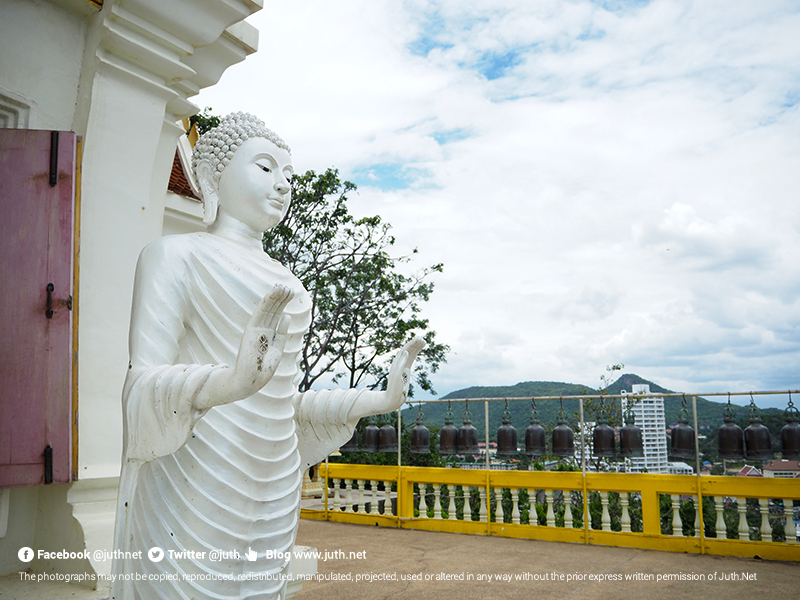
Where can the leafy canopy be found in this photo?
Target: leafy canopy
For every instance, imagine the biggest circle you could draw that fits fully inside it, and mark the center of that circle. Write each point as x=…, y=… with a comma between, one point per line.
x=363, y=308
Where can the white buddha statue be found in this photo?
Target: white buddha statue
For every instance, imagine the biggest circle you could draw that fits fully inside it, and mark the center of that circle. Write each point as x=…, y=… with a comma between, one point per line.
x=217, y=436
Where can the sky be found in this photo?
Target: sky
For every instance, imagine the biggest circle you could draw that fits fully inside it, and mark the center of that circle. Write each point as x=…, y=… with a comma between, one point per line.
x=605, y=182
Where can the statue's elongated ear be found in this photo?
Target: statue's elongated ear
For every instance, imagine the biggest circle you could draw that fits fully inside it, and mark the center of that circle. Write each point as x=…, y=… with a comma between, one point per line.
x=209, y=190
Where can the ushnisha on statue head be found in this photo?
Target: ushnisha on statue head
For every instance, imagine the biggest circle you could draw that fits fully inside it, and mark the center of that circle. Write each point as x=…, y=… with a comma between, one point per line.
x=264, y=149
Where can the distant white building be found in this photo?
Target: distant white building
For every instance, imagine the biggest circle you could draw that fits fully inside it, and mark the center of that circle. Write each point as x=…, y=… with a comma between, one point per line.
x=783, y=469
x=649, y=413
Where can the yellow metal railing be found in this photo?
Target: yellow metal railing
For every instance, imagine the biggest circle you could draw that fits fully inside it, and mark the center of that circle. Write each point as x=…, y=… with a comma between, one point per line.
x=750, y=516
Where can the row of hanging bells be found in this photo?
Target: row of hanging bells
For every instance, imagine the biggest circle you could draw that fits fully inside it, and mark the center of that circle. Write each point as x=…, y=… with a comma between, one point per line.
x=754, y=443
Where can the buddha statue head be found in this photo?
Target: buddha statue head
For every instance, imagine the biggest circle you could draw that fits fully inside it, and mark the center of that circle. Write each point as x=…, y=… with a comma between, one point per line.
x=243, y=170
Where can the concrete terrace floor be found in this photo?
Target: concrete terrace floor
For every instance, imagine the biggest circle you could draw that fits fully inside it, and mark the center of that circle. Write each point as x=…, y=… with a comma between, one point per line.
x=423, y=553
x=404, y=552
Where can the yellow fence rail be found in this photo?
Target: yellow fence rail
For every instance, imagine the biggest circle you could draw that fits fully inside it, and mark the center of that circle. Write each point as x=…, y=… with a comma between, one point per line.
x=732, y=516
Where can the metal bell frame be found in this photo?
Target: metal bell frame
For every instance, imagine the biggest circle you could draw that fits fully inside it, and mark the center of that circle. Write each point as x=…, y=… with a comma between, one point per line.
x=507, y=436
x=682, y=444
x=730, y=436
x=790, y=433
x=757, y=441
x=535, y=437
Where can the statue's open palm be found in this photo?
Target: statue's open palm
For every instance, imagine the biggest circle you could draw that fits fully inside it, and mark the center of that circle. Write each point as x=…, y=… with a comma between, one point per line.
x=262, y=344
x=259, y=355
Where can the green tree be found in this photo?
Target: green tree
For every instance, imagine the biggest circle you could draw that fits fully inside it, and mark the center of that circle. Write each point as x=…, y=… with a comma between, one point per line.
x=363, y=308
x=204, y=120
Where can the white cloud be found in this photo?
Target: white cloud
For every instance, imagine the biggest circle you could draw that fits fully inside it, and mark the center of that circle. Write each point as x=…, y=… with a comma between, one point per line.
x=604, y=182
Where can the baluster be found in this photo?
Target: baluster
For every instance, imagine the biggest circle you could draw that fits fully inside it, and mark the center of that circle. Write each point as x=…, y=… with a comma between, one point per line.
x=719, y=505
x=515, y=506
x=625, y=518
x=348, y=497
x=336, y=483
x=467, y=503
x=567, y=508
x=791, y=530
x=677, y=528
x=437, y=504
x=450, y=505
x=551, y=515
x=484, y=506
x=387, y=498
x=744, y=528
x=373, y=504
x=360, y=505
x=606, y=518
x=696, y=503
x=533, y=516
x=499, y=513
x=766, y=530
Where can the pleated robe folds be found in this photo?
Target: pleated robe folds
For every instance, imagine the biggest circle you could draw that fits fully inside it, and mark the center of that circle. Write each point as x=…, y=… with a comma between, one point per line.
x=228, y=479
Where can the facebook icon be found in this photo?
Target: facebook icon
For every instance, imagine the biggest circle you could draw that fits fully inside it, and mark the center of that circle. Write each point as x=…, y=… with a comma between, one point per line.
x=25, y=554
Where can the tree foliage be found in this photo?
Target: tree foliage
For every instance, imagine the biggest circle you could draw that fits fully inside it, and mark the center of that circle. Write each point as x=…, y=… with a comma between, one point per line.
x=363, y=307
x=205, y=121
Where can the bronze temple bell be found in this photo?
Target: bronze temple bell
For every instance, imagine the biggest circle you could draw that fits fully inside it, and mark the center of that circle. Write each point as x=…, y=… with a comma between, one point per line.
x=420, y=436
x=630, y=436
x=352, y=444
x=448, y=435
x=369, y=442
x=682, y=444
x=387, y=438
x=757, y=441
x=535, y=439
x=730, y=435
x=563, y=437
x=790, y=434
x=604, y=443
x=468, y=435
x=507, y=436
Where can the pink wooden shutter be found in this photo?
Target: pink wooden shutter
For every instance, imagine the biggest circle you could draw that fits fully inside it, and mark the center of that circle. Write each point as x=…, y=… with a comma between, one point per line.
x=36, y=249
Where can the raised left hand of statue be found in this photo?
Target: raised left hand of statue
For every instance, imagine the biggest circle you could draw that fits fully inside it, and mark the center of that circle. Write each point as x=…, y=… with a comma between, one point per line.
x=400, y=373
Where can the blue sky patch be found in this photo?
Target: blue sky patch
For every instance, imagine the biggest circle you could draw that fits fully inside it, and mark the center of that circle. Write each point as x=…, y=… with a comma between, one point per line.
x=620, y=5
x=385, y=176
x=430, y=37
x=452, y=135
x=493, y=65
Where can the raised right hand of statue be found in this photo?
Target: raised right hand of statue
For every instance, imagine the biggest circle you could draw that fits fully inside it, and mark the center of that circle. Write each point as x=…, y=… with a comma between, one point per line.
x=260, y=353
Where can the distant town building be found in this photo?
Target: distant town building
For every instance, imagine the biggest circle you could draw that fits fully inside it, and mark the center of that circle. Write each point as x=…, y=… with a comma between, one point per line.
x=784, y=469
x=748, y=471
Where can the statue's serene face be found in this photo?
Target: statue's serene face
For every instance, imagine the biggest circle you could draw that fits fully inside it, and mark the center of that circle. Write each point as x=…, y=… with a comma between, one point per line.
x=254, y=188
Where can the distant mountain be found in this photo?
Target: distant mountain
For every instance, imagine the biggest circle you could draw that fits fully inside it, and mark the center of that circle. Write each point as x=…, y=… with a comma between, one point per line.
x=709, y=413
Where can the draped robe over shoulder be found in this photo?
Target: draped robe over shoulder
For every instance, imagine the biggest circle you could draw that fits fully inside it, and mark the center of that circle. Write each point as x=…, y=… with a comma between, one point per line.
x=224, y=480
